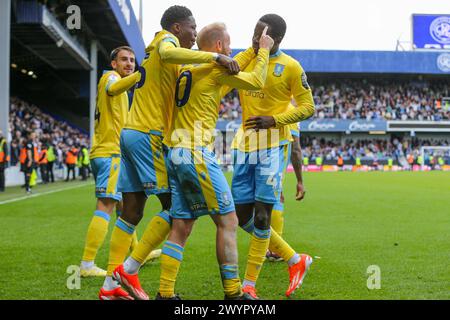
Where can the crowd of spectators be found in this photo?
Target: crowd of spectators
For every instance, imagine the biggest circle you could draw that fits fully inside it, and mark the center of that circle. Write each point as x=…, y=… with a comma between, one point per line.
x=369, y=100
x=230, y=107
x=26, y=118
x=374, y=149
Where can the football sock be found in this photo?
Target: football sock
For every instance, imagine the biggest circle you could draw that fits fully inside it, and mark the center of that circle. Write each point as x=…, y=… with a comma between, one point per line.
x=87, y=264
x=131, y=266
x=134, y=241
x=110, y=284
x=121, y=239
x=277, y=219
x=135, y=238
x=96, y=235
x=281, y=247
x=171, y=257
x=157, y=231
x=257, y=253
x=294, y=260
x=230, y=280
x=248, y=283
x=249, y=226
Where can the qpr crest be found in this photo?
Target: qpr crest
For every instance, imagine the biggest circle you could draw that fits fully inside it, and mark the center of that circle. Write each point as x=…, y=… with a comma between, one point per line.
x=443, y=62
x=278, y=71
x=440, y=30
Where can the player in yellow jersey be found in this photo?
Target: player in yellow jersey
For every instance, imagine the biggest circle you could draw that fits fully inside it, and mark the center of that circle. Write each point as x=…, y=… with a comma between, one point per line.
x=143, y=172
x=277, y=218
x=198, y=185
x=260, y=157
x=110, y=115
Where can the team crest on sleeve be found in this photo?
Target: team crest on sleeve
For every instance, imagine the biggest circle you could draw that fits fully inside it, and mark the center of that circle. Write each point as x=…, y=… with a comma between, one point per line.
x=305, y=81
x=278, y=71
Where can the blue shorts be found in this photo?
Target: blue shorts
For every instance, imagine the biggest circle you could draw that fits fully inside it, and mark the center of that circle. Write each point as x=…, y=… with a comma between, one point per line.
x=197, y=184
x=106, y=175
x=142, y=168
x=258, y=175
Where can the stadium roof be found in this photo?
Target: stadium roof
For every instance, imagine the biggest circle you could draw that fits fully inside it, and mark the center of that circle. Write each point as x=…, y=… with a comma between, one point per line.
x=58, y=58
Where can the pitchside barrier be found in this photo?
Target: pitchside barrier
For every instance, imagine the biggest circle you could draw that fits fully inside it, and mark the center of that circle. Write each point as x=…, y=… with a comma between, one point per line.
x=14, y=177
x=365, y=168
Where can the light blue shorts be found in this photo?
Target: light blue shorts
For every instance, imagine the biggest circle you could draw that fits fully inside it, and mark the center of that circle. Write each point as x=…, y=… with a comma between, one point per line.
x=197, y=184
x=258, y=175
x=142, y=167
x=106, y=175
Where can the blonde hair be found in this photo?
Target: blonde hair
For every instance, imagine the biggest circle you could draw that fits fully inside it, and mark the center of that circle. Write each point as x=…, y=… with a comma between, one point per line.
x=208, y=36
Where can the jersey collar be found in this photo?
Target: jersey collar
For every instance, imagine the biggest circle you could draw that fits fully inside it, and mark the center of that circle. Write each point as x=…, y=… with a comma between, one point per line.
x=276, y=54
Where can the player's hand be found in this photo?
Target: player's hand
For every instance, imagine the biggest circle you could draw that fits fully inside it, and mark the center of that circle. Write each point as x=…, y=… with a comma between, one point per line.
x=260, y=122
x=300, y=192
x=229, y=63
x=266, y=41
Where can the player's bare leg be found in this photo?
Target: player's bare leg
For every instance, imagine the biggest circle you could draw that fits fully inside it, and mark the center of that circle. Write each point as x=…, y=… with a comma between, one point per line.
x=227, y=254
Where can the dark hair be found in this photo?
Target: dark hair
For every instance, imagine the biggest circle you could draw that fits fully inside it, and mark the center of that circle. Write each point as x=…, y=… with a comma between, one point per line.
x=173, y=15
x=116, y=51
x=276, y=23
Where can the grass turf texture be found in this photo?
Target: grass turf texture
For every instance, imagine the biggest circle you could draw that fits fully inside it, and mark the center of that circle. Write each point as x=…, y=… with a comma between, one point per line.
x=397, y=221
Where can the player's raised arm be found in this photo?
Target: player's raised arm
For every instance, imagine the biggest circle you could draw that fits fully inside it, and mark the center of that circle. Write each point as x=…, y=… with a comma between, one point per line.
x=118, y=86
x=170, y=53
x=256, y=79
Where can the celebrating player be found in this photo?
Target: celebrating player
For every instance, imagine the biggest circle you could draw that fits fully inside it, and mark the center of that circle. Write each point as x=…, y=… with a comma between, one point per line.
x=143, y=171
x=197, y=183
x=260, y=156
x=110, y=115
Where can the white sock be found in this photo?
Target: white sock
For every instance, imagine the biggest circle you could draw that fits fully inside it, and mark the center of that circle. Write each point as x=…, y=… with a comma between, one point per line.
x=131, y=266
x=110, y=284
x=295, y=259
x=87, y=264
x=248, y=283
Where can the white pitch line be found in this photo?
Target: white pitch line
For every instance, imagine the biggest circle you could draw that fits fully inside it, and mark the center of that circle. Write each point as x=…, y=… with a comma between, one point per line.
x=42, y=194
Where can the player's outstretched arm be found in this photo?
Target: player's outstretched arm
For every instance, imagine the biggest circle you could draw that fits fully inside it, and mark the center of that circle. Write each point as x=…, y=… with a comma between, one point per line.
x=117, y=87
x=171, y=54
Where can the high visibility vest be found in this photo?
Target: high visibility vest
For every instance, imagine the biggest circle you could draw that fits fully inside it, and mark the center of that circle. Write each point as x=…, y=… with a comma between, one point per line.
x=390, y=162
x=340, y=161
x=306, y=161
x=36, y=155
x=2, y=152
x=358, y=161
x=431, y=159
x=420, y=160
x=71, y=157
x=85, y=157
x=43, y=156
x=319, y=161
x=51, y=157
x=441, y=161
x=23, y=155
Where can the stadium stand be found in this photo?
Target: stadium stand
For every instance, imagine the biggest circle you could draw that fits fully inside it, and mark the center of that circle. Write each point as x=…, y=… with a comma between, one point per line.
x=26, y=118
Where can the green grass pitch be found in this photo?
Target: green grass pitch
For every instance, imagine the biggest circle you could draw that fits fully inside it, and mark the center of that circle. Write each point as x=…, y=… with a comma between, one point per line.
x=397, y=221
